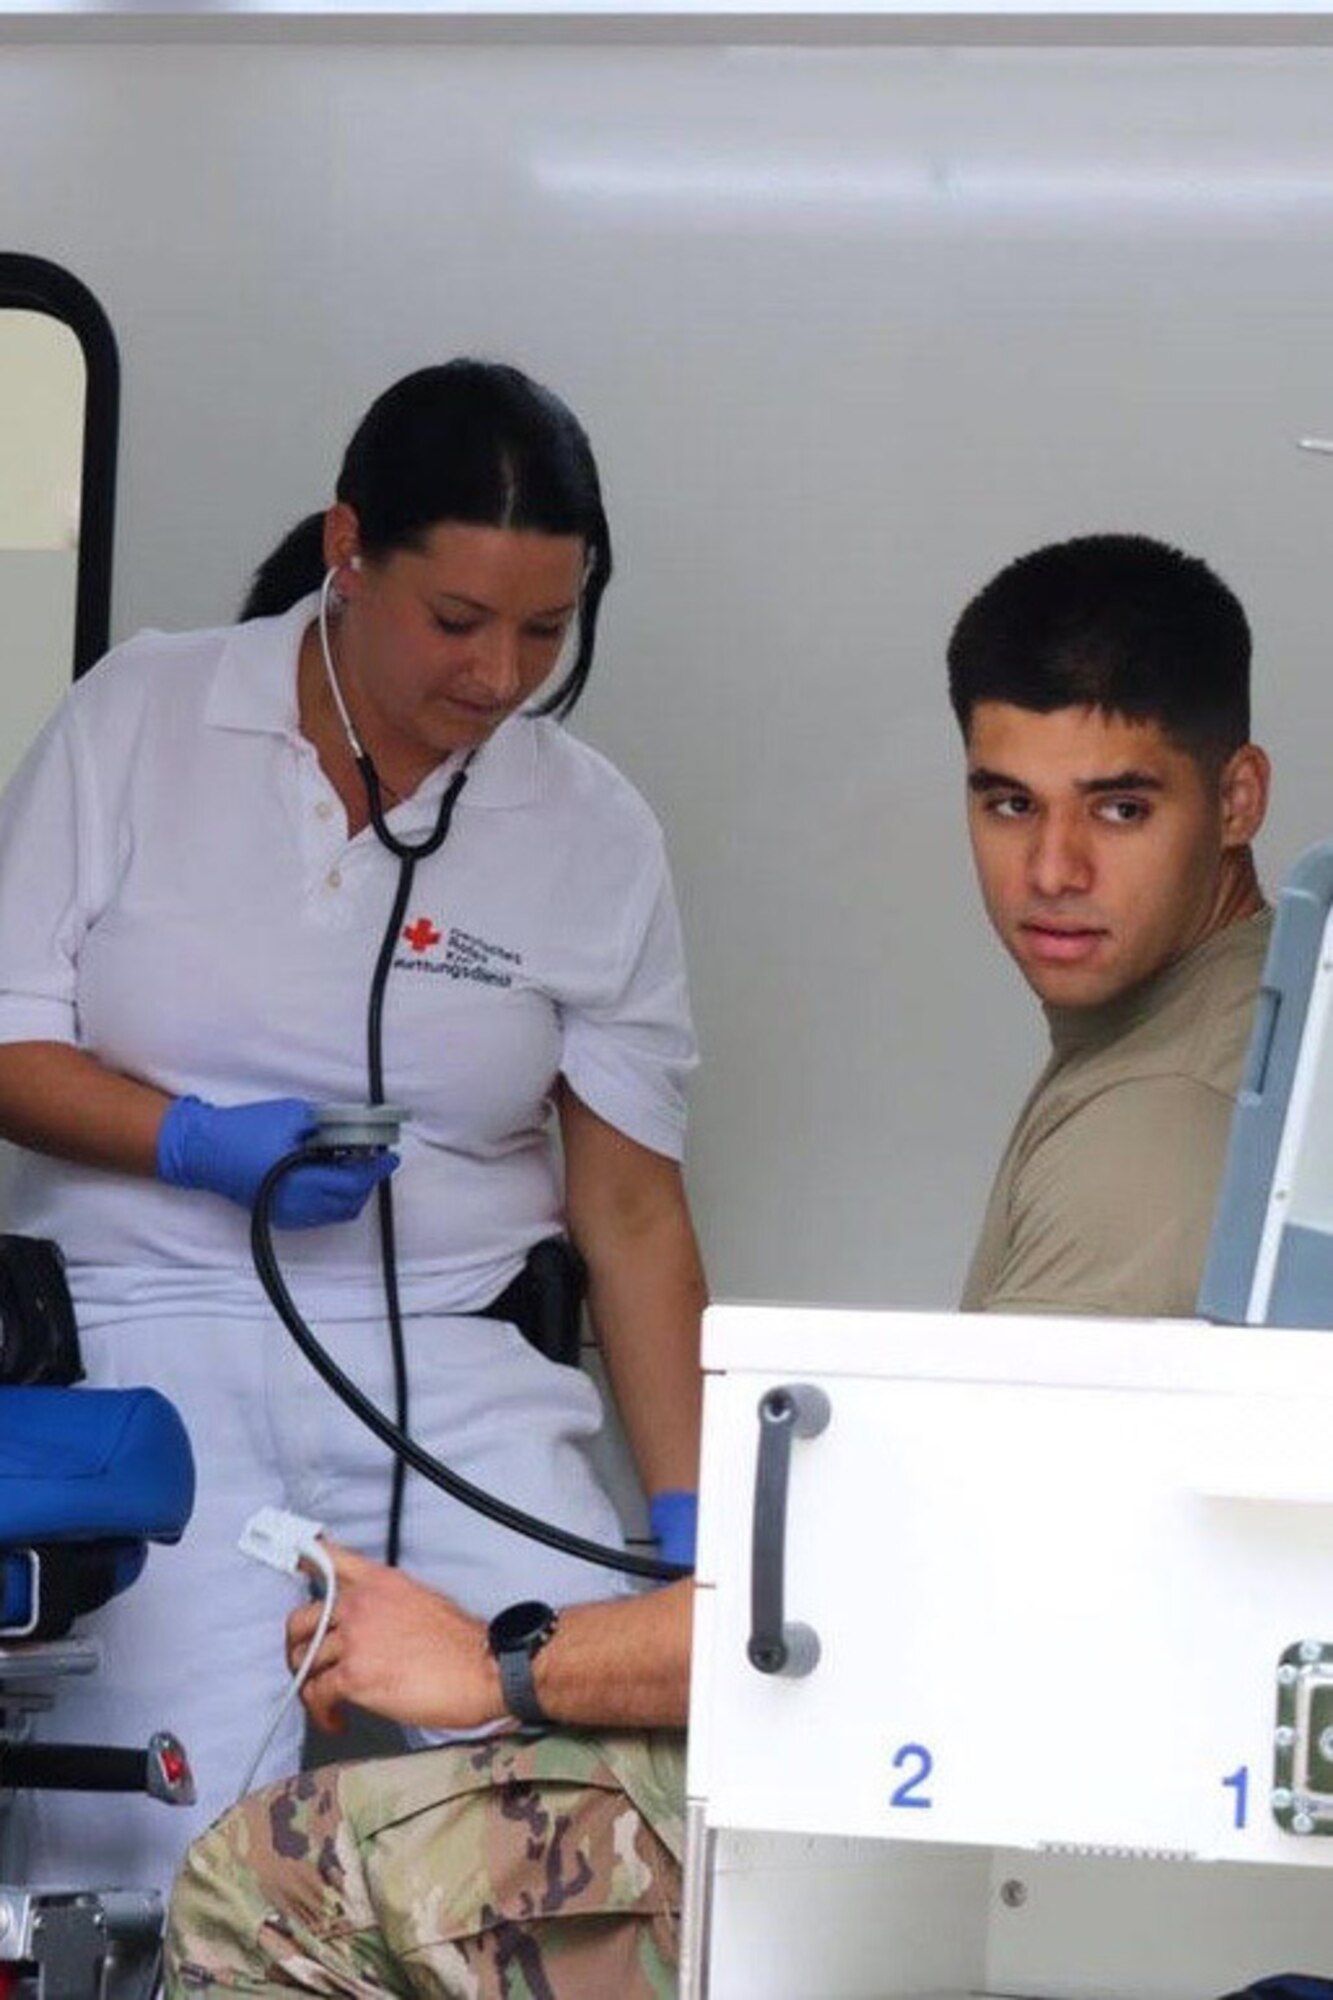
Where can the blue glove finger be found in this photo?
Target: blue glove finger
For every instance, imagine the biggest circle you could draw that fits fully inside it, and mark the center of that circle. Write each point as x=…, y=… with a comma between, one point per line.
x=329, y=1190
x=674, y=1519
x=228, y=1150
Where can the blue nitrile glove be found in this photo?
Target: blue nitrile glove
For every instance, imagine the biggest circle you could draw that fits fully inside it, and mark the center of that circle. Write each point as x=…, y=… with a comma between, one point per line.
x=674, y=1520
x=229, y=1150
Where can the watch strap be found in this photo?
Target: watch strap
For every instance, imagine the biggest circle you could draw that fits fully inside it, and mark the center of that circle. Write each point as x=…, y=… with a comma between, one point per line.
x=520, y=1690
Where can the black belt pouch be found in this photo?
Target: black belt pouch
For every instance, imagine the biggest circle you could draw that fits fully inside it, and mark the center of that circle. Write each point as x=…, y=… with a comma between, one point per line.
x=545, y=1300
x=39, y=1341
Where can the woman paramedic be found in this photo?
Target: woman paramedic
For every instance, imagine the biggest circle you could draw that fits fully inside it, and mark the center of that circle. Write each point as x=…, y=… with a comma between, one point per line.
x=193, y=891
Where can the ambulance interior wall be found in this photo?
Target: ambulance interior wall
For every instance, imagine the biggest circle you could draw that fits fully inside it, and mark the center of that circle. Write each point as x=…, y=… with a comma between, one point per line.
x=850, y=327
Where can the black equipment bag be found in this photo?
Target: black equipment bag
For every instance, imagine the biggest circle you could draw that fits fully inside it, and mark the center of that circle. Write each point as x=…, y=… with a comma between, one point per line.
x=39, y=1341
x=545, y=1300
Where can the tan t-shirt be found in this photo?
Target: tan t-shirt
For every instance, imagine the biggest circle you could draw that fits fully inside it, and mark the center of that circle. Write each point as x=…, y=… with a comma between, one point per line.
x=1104, y=1199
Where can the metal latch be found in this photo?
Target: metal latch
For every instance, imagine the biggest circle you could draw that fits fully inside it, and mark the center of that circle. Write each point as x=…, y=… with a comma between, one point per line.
x=1302, y=1795
x=83, y=1942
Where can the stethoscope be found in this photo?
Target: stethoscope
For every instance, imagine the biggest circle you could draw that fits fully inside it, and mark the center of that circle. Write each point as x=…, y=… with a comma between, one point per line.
x=405, y=852
x=395, y=1432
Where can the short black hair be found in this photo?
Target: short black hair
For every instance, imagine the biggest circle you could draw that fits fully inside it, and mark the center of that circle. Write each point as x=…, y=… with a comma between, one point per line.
x=1120, y=623
x=472, y=441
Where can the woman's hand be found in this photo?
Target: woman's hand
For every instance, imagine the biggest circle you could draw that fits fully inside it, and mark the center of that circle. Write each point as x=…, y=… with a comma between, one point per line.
x=228, y=1150
x=396, y=1648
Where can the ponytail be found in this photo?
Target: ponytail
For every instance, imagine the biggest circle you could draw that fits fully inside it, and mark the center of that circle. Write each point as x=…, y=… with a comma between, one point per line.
x=291, y=572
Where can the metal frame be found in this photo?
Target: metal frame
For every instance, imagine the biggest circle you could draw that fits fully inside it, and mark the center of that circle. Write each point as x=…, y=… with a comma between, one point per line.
x=35, y=284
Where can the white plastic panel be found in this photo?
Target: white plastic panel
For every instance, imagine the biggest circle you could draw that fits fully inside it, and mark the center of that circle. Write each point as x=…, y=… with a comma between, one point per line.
x=1121, y=1930
x=1050, y=1614
x=796, y=1917
x=845, y=1920
x=1053, y=1567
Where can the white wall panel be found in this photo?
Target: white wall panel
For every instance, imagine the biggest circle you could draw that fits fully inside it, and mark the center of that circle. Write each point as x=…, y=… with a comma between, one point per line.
x=850, y=327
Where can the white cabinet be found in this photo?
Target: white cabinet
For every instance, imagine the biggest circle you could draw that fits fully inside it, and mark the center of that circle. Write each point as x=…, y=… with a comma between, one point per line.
x=1070, y=1586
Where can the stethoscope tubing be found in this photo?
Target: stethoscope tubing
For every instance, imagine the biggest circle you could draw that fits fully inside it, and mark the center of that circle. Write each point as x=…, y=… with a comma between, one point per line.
x=405, y=1447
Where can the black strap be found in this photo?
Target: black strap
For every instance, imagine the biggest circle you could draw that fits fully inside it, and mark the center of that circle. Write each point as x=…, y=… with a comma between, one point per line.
x=72, y=1767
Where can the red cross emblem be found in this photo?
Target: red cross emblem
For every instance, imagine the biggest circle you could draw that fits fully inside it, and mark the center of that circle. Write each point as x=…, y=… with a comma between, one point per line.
x=421, y=934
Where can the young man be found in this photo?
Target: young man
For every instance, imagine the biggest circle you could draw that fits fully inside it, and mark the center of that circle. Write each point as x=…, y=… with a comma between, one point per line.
x=1102, y=687
x=546, y=1865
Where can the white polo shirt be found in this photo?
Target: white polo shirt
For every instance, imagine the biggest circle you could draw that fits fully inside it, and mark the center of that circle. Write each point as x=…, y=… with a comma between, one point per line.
x=179, y=897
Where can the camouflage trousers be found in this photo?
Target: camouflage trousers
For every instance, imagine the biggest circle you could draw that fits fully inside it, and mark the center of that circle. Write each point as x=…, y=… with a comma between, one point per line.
x=518, y=1869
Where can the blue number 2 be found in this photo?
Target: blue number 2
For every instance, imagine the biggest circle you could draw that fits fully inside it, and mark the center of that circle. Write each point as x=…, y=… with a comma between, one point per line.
x=1239, y=1783
x=917, y=1759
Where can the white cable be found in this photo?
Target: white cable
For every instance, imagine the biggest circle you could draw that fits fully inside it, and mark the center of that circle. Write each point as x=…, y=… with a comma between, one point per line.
x=282, y=1540
x=359, y=753
x=353, y=740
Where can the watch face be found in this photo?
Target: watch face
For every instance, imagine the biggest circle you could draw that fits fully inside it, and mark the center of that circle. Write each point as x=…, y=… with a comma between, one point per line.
x=521, y=1627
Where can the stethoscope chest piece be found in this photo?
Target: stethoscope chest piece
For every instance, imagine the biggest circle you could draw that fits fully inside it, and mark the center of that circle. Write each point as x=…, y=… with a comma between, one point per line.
x=360, y=1128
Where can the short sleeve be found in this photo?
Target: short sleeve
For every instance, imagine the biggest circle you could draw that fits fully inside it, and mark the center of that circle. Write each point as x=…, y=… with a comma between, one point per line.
x=1111, y=1212
x=44, y=888
x=629, y=1052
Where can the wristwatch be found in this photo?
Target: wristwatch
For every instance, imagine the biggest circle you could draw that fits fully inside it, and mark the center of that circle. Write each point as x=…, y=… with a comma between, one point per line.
x=515, y=1636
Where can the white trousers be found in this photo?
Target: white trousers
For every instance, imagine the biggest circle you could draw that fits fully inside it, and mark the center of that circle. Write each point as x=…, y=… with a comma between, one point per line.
x=196, y=1644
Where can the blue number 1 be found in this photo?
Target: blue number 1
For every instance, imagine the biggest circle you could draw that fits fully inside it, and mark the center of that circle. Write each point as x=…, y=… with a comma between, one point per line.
x=919, y=1758
x=1239, y=1783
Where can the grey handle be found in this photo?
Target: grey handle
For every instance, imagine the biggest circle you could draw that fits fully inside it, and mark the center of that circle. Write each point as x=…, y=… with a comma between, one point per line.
x=798, y=1409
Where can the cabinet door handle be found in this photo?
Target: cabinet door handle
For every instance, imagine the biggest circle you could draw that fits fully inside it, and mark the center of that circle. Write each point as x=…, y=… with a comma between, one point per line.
x=776, y=1646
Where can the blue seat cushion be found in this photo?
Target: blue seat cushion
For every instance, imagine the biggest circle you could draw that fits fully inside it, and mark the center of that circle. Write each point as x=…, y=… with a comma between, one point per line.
x=92, y=1465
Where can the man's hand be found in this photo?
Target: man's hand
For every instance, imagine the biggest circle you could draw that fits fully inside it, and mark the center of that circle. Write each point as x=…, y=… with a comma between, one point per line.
x=397, y=1649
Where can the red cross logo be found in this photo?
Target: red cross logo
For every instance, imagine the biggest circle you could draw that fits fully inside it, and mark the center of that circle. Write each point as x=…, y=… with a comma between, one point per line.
x=421, y=934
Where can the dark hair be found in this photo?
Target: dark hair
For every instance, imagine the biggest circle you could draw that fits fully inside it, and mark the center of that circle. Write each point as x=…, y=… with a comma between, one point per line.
x=1121, y=623
x=469, y=441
